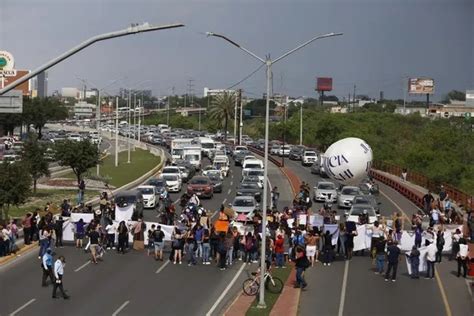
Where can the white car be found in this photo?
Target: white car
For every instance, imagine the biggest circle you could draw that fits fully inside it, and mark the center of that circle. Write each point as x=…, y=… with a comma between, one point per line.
x=252, y=164
x=309, y=157
x=353, y=214
x=244, y=205
x=325, y=191
x=275, y=149
x=74, y=137
x=149, y=195
x=284, y=151
x=346, y=196
x=173, y=182
x=238, y=149
x=172, y=170
x=254, y=173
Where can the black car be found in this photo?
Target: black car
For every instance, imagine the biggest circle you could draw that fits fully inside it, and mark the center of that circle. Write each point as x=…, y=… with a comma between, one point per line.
x=191, y=170
x=296, y=153
x=239, y=157
x=216, y=183
x=249, y=189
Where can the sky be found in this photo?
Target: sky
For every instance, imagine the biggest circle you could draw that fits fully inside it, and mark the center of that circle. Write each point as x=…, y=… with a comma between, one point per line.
x=384, y=43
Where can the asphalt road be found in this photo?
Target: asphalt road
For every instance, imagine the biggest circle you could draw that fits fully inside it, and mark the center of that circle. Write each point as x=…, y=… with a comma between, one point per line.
x=363, y=292
x=130, y=284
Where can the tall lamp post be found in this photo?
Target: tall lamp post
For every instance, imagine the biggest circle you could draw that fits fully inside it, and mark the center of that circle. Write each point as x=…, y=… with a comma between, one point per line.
x=268, y=63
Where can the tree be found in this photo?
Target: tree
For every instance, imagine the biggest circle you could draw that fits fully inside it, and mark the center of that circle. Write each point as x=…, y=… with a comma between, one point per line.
x=15, y=186
x=34, y=159
x=222, y=110
x=39, y=111
x=8, y=122
x=454, y=95
x=79, y=156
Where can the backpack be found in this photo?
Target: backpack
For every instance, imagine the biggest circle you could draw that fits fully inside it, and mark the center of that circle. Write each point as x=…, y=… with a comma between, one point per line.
x=248, y=244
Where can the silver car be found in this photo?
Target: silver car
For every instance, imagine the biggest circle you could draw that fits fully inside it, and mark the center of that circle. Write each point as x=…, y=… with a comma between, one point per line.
x=325, y=191
x=244, y=204
x=346, y=195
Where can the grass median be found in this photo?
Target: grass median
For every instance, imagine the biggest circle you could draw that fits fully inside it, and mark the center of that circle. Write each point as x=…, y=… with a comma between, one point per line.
x=39, y=199
x=141, y=161
x=270, y=298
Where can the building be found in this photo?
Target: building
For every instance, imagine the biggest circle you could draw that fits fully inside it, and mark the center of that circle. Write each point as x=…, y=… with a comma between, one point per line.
x=338, y=109
x=469, y=97
x=410, y=110
x=84, y=110
x=70, y=93
x=214, y=92
x=25, y=87
x=450, y=110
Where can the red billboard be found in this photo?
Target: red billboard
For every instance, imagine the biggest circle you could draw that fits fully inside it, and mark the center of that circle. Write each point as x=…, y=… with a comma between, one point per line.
x=323, y=84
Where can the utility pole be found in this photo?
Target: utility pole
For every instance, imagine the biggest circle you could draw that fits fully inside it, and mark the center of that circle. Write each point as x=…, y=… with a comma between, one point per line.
x=97, y=118
x=235, y=120
x=241, y=123
x=354, y=96
x=116, y=130
x=301, y=124
x=349, y=102
x=129, y=122
x=139, y=118
x=191, y=91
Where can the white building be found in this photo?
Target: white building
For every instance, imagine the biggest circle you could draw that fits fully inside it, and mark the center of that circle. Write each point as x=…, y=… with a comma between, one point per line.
x=214, y=92
x=70, y=93
x=410, y=110
x=338, y=109
x=84, y=110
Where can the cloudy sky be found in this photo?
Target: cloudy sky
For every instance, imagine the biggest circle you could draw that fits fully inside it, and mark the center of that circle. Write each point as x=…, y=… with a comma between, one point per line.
x=384, y=42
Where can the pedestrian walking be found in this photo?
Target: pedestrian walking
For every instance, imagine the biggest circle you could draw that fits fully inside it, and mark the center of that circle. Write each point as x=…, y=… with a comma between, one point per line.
x=82, y=188
x=275, y=195
x=43, y=241
x=206, y=247
x=414, y=258
x=380, y=255
x=27, y=228
x=280, y=251
x=94, y=243
x=222, y=250
x=439, y=245
x=301, y=264
x=58, y=274
x=462, y=257
x=393, y=256
x=80, y=232
x=110, y=229
x=430, y=259
x=47, y=268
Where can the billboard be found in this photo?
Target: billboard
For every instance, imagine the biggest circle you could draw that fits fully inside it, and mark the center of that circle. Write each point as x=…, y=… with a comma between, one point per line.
x=323, y=84
x=421, y=85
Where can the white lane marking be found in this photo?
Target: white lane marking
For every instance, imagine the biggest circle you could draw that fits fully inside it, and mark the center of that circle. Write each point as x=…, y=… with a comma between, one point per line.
x=162, y=267
x=231, y=182
x=83, y=266
x=120, y=308
x=214, y=214
x=468, y=287
x=343, y=290
x=221, y=297
x=228, y=191
x=19, y=309
x=225, y=200
x=177, y=201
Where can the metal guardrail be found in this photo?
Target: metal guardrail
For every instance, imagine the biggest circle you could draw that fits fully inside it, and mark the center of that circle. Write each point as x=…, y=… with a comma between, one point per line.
x=455, y=194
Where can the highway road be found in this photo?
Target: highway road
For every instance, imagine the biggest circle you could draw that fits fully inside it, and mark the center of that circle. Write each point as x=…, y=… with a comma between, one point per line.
x=131, y=284
x=352, y=287
x=134, y=284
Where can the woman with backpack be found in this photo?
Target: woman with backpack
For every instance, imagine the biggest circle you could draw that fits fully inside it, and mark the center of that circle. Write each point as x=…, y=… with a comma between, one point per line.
x=249, y=244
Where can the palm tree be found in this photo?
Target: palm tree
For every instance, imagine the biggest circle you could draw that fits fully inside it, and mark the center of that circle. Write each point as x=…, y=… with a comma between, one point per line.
x=222, y=110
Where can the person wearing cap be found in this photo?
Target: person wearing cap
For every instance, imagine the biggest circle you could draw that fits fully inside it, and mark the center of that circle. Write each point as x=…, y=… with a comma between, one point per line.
x=58, y=274
x=47, y=267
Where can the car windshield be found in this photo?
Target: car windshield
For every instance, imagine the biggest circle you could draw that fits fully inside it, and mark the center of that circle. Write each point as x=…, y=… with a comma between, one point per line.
x=252, y=165
x=326, y=186
x=192, y=157
x=124, y=200
x=207, y=145
x=170, y=170
x=356, y=211
x=146, y=190
x=255, y=173
x=249, y=185
x=350, y=191
x=242, y=202
x=310, y=154
x=157, y=183
x=199, y=181
x=170, y=177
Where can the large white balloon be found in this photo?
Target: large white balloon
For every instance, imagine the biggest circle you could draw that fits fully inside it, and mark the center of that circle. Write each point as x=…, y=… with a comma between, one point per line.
x=348, y=160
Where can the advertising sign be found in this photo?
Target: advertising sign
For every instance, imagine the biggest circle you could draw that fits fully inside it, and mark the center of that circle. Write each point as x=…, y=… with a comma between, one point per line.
x=323, y=84
x=421, y=85
x=7, y=62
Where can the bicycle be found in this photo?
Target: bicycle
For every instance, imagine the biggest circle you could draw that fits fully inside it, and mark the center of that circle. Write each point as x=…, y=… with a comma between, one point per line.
x=251, y=286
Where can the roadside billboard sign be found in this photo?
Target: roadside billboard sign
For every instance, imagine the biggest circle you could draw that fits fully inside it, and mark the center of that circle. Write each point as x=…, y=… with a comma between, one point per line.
x=323, y=84
x=421, y=86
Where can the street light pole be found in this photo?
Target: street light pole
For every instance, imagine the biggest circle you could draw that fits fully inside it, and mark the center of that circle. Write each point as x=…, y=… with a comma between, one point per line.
x=235, y=121
x=116, y=130
x=133, y=29
x=129, y=122
x=241, y=124
x=139, y=118
x=268, y=63
x=301, y=124
x=97, y=119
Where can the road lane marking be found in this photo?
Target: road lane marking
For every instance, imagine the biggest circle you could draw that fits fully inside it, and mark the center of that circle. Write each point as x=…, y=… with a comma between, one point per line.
x=214, y=214
x=228, y=191
x=177, y=201
x=343, y=290
x=438, y=279
x=120, y=308
x=162, y=267
x=221, y=297
x=231, y=182
x=83, y=266
x=19, y=309
x=469, y=287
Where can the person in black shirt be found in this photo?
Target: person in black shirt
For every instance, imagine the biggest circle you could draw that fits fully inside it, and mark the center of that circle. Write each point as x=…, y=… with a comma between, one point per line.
x=158, y=237
x=427, y=200
x=393, y=254
x=94, y=240
x=58, y=229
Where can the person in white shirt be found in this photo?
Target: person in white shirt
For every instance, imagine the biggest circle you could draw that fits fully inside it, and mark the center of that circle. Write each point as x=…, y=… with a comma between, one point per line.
x=110, y=229
x=456, y=237
x=58, y=274
x=430, y=260
x=462, y=257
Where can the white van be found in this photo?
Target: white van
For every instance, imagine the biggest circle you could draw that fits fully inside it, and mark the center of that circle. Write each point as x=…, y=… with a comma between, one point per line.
x=252, y=164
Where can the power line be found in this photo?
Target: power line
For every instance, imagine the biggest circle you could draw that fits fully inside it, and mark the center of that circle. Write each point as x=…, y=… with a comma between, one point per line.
x=246, y=77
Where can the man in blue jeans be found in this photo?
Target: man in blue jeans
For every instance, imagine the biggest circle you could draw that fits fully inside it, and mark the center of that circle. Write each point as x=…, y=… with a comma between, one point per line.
x=393, y=254
x=380, y=254
x=301, y=263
